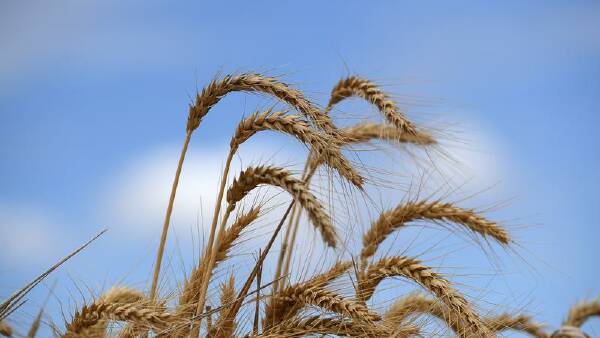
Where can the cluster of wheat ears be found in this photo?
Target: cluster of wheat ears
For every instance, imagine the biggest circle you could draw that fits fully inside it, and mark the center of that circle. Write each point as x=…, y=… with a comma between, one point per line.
x=310, y=306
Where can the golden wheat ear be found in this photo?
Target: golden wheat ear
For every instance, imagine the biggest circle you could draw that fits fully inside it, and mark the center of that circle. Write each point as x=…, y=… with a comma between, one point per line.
x=297, y=327
x=355, y=86
x=278, y=309
x=396, y=218
x=520, y=323
x=293, y=125
x=255, y=176
x=365, y=132
x=213, y=93
x=416, y=303
x=412, y=269
x=582, y=311
x=149, y=317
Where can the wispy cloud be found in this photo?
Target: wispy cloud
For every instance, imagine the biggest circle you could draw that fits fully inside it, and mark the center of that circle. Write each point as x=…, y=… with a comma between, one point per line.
x=27, y=235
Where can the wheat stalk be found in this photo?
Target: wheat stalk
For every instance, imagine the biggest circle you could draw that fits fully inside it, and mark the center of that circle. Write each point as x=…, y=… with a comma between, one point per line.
x=412, y=269
x=396, y=218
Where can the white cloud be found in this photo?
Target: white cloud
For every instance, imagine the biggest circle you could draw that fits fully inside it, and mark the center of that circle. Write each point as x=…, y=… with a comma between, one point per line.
x=26, y=235
x=135, y=200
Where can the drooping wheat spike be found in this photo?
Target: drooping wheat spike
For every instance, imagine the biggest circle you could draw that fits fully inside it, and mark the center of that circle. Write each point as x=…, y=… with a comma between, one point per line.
x=225, y=243
x=396, y=218
x=296, y=327
x=115, y=295
x=521, y=323
x=582, y=311
x=320, y=143
x=356, y=86
x=328, y=300
x=213, y=92
x=148, y=316
x=365, y=132
x=279, y=309
x=254, y=176
x=225, y=326
x=5, y=330
x=412, y=269
x=416, y=303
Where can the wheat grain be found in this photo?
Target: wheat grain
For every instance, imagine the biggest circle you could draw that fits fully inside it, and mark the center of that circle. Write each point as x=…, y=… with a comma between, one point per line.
x=396, y=218
x=254, y=176
x=412, y=269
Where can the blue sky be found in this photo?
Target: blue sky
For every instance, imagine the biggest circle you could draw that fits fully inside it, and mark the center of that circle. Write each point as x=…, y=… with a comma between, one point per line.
x=94, y=96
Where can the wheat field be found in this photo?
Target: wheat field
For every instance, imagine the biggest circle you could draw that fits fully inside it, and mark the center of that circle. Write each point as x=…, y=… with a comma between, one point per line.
x=337, y=300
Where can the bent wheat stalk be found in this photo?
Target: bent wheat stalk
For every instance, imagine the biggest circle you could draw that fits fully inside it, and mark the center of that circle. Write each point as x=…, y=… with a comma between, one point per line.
x=412, y=269
x=396, y=218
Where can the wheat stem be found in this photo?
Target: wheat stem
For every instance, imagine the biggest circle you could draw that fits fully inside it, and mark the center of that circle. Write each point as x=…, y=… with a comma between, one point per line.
x=165, y=229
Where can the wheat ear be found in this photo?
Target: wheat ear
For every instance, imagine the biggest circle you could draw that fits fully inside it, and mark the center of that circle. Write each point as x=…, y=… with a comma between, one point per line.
x=582, y=311
x=324, y=144
x=316, y=325
x=254, y=176
x=278, y=309
x=227, y=298
x=412, y=269
x=365, y=132
x=194, y=284
x=356, y=86
x=417, y=303
x=521, y=323
x=328, y=300
x=424, y=210
x=5, y=330
x=89, y=315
